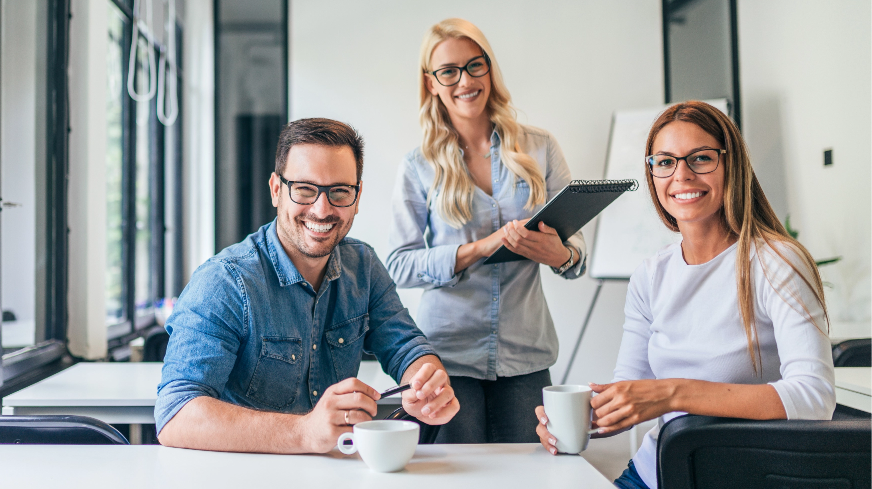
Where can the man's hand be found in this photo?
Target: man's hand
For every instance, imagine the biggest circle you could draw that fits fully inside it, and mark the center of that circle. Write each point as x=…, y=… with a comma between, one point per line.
x=341, y=406
x=430, y=399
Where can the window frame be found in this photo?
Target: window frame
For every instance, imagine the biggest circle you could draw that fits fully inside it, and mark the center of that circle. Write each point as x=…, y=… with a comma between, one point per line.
x=18, y=363
x=132, y=326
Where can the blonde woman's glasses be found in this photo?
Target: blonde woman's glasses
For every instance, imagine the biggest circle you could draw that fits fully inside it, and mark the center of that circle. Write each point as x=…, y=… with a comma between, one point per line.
x=699, y=162
x=450, y=75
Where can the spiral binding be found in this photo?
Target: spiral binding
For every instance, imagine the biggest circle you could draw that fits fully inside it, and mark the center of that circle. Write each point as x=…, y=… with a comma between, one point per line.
x=596, y=186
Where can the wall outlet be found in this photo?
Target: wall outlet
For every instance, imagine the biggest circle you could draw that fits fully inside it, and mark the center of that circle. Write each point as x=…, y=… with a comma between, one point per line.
x=828, y=157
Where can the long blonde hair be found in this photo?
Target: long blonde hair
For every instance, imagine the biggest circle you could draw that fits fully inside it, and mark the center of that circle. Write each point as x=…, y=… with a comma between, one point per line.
x=746, y=213
x=453, y=187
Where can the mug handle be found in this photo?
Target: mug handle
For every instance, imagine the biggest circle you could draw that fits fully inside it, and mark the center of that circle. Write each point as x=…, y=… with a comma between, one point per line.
x=346, y=449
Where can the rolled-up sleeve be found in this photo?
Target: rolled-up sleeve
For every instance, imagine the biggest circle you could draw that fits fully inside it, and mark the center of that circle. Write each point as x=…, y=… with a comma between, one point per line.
x=205, y=330
x=393, y=337
x=411, y=262
x=558, y=176
x=806, y=387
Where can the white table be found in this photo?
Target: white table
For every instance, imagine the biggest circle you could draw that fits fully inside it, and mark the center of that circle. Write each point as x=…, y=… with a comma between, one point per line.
x=119, y=393
x=152, y=466
x=854, y=387
x=122, y=393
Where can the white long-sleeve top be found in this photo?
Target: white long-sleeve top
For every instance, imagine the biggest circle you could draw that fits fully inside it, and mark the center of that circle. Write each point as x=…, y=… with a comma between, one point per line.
x=683, y=321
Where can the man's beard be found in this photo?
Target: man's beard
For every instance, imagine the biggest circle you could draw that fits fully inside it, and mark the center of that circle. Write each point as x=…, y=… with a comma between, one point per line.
x=300, y=238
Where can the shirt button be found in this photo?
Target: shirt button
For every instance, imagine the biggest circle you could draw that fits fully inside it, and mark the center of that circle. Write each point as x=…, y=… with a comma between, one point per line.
x=493, y=205
x=341, y=341
x=314, y=347
x=314, y=393
x=495, y=299
x=293, y=357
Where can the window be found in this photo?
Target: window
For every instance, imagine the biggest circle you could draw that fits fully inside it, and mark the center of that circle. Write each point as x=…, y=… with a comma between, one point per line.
x=135, y=170
x=33, y=143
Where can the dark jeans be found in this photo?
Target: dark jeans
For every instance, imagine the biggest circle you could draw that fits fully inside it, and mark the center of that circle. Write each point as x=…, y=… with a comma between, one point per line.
x=496, y=411
x=630, y=479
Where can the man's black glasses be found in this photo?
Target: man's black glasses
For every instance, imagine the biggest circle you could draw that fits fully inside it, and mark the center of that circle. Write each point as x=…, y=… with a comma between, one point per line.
x=305, y=193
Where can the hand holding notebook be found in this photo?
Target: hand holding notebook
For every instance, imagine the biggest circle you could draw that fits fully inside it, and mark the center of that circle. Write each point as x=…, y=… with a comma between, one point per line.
x=569, y=210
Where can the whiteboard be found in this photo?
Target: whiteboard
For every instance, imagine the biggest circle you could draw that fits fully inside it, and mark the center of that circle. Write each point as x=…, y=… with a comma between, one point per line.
x=629, y=230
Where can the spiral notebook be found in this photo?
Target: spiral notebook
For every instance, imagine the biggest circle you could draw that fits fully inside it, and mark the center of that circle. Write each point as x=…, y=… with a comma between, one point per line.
x=572, y=208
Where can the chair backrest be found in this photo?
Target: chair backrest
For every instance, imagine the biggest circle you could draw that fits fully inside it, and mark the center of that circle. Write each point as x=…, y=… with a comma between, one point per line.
x=58, y=430
x=427, y=434
x=702, y=452
x=853, y=353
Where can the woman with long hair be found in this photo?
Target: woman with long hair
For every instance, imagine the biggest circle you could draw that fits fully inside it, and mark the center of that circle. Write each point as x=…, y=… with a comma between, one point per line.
x=729, y=322
x=468, y=189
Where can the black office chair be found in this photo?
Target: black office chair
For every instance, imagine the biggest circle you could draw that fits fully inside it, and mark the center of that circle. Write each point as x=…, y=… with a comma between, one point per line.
x=427, y=433
x=703, y=452
x=853, y=353
x=58, y=430
x=155, y=348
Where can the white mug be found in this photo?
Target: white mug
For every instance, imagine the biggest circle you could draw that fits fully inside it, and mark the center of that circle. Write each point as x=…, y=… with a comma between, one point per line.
x=568, y=410
x=385, y=446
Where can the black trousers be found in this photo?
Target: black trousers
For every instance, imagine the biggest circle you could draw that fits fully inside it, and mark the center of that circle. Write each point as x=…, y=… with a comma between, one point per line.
x=496, y=411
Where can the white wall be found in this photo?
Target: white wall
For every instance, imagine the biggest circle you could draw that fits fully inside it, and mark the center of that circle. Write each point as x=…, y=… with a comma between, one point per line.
x=806, y=82
x=568, y=65
x=87, y=185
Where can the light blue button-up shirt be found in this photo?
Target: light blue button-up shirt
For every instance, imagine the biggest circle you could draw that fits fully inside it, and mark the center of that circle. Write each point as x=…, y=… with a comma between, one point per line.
x=487, y=321
x=249, y=330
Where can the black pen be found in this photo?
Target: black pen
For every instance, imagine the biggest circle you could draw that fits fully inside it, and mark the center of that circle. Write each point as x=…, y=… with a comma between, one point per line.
x=395, y=390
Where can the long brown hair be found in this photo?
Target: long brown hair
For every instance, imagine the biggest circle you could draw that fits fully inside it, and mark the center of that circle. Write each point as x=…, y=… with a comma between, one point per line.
x=453, y=188
x=746, y=213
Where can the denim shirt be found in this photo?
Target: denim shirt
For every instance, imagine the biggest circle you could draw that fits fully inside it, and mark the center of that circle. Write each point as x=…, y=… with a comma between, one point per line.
x=249, y=330
x=487, y=321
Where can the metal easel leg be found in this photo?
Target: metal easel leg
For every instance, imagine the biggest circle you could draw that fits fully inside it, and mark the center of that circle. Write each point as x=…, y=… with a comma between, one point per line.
x=599, y=287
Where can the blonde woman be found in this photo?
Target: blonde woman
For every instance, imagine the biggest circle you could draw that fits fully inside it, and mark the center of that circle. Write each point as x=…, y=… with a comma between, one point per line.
x=469, y=188
x=731, y=321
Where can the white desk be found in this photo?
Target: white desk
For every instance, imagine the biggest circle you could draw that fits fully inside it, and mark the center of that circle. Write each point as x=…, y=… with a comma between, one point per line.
x=854, y=387
x=122, y=393
x=152, y=466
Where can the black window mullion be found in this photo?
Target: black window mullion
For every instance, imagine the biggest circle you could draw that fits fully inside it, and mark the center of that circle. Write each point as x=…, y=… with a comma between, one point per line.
x=178, y=207
x=128, y=190
x=57, y=170
x=157, y=134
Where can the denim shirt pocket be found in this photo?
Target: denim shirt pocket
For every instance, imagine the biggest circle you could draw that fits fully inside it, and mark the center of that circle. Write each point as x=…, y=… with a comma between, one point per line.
x=345, y=341
x=276, y=377
x=519, y=196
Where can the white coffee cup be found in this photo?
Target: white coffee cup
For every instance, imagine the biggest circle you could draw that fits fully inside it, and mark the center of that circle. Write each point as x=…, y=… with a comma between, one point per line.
x=568, y=410
x=385, y=446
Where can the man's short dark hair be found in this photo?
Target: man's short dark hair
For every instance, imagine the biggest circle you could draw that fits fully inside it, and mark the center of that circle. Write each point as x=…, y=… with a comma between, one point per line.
x=325, y=132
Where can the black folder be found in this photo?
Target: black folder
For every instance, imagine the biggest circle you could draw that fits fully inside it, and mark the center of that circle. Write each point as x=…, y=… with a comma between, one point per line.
x=572, y=208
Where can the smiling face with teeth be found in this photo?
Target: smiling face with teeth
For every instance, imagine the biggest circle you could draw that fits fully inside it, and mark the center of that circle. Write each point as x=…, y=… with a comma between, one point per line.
x=309, y=233
x=467, y=100
x=693, y=200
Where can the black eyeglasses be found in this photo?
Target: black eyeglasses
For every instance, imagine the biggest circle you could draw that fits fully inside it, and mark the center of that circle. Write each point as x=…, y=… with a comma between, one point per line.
x=450, y=75
x=305, y=193
x=700, y=162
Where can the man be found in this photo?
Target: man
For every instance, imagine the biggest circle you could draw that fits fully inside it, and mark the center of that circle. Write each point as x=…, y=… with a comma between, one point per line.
x=267, y=337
